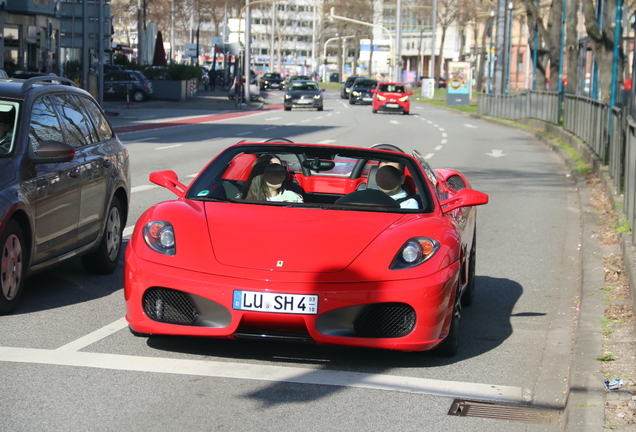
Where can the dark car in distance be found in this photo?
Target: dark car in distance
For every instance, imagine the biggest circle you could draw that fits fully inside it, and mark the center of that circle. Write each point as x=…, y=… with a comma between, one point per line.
x=64, y=182
x=272, y=80
x=127, y=84
x=303, y=94
x=346, y=86
x=361, y=91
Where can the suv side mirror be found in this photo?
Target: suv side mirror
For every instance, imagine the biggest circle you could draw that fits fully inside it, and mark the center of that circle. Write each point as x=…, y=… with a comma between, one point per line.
x=53, y=152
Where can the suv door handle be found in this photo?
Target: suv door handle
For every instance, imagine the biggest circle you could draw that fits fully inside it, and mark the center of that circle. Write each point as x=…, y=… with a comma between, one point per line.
x=75, y=173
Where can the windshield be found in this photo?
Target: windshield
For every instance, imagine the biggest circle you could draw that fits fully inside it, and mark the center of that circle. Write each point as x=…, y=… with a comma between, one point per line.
x=392, y=88
x=8, y=126
x=304, y=86
x=367, y=83
x=329, y=178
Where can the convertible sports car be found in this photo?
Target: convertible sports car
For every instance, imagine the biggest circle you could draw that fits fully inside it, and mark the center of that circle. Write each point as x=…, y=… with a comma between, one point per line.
x=379, y=253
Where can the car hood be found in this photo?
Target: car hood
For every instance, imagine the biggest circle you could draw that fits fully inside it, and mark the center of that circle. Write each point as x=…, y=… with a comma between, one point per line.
x=291, y=239
x=7, y=173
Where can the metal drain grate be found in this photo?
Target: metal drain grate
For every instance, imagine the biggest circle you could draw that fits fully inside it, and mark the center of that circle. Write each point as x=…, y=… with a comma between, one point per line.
x=514, y=413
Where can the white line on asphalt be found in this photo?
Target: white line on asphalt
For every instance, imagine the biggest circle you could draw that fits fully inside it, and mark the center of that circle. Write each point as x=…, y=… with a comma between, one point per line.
x=305, y=121
x=273, y=127
x=97, y=335
x=444, y=141
x=429, y=122
x=442, y=129
x=168, y=147
x=430, y=155
x=142, y=188
x=325, y=141
x=435, y=125
x=192, y=175
x=469, y=125
x=274, y=118
x=318, y=118
x=438, y=148
x=267, y=373
x=395, y=122
x=128, y=231
x=444, y=134
x=290, y=124
x=329, y=115
x=245, y=133
x=139, y=140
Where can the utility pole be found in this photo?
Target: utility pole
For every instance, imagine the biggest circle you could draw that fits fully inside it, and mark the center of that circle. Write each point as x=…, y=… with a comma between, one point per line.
x=247, y=59
x=433, y=43
x=398, y=42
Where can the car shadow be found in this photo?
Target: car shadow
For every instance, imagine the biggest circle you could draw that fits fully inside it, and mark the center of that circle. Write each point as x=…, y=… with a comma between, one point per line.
x=484, y=326
x=68, y=284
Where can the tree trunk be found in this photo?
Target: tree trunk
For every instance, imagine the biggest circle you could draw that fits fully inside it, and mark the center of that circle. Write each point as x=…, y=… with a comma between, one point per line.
x=571, y=44
x=438, y=64
x=602, y=43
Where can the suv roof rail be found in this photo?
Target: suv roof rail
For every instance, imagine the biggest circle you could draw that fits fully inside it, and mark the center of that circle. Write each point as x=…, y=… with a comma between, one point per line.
x=28, y=84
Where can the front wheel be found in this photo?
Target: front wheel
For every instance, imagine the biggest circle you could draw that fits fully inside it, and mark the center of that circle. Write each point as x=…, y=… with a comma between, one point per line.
x=106, y=257
x=375, y=111
x=352, y=102
x=469, y=293
x=12, y=268
x=448, y=347
x=320, y=108
x=287, y=108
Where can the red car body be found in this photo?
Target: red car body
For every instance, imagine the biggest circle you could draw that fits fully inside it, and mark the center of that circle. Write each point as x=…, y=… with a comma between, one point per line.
x=328, y=270
x=391, y=97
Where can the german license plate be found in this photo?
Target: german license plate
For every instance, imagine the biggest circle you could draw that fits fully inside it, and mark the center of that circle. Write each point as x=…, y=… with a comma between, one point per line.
x=305, y=101
x=367, y=99
x=275, y=303
x=392, y=105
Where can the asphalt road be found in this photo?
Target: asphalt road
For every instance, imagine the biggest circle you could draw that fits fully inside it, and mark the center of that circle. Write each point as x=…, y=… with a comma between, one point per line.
x=68, y=362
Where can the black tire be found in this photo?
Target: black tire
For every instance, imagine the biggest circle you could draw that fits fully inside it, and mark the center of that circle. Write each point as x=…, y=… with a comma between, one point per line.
x=137, y=334
x=448, y=347
x=406, y=113
x=320, y=108
x=287, y=108
x=105, y=258
x=12, y=268
x=352, y=102
x=374, y=111
x=139, y=96
x=469, y=294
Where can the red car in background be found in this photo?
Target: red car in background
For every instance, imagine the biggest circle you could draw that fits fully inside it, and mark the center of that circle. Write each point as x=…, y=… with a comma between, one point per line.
x=391, y=97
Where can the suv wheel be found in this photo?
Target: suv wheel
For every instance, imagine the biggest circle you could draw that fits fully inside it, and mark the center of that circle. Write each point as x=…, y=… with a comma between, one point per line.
x=139, y=96
x=12, y=267
x=105, y=258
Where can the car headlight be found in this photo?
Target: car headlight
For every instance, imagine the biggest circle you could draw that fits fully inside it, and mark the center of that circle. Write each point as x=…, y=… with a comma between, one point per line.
x=381, y=98
x=403, y=99
x=159, y=236
x=317, y=96
x=355, y=93
x=414, y=252
x=347, y=90
x=287, y=96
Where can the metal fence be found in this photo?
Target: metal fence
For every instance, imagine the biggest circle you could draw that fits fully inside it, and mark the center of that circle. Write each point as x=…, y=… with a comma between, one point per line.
x=610, y=133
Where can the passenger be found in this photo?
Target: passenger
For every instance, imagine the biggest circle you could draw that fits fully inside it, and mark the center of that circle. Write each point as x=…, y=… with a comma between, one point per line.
x=7, y=120
x=390, y=179
x=258, y=167
x=269, y=186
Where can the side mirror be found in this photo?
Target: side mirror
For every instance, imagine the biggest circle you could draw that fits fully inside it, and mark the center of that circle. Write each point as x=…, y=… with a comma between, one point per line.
x=169, y=180
x=53, y=152
x=372, y=91
x=464, y=198
x=410, y=94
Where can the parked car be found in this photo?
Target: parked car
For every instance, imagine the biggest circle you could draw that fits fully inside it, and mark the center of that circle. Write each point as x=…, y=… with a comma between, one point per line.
x=124, y=84
x=303, y=94
x=272, y=80
x=391, y=97
x=372, y=272
x=361, y=91
x=64, y=182
x=346, y=86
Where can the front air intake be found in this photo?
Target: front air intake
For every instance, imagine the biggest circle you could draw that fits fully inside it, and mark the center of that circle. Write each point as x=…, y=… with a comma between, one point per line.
x=169, y=306
x=385, y=320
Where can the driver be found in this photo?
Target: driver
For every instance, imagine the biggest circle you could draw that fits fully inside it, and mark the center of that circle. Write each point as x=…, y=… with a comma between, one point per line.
x=390, y=179
x=7, y=119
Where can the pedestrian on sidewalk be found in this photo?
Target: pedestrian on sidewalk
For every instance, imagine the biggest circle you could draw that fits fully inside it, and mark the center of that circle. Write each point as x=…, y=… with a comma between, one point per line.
x=212, y=76
x=239, y=90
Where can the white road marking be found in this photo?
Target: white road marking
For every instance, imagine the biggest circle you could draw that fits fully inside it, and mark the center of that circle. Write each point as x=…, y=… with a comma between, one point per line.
x=290, y=124
x=435, y=125
x=128, y=231
x=273, y=118
x=97, y=335
x=305, y=121
x=429, y=122
x=442, y=129
x=444, y=134
x=267, y=373
x=318, y=118
x=192, y=175
x=245, y=133
x=273, y=127
x=496, y=153
x=142, y=188
x=469, y=125
x=329, y=115
x=139, y=140
x=395, y=122
x=430, y=155
x=444, y=141
x=168, y=147
x=438, y=148
x=325, y=141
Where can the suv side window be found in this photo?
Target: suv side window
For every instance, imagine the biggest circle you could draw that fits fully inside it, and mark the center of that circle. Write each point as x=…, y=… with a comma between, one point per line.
x=78, y=126
x=104, y=131
x=44, y=124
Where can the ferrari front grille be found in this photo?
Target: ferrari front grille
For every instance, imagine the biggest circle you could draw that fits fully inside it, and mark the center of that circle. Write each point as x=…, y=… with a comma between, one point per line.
x=169, y=306
x=385, y=320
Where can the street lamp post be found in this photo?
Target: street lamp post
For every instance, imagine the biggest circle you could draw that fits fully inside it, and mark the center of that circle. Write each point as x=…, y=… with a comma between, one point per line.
x=490, y=53
x=324, y=52
x=508, y=47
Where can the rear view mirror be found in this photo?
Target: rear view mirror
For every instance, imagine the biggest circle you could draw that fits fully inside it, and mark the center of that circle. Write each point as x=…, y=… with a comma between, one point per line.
x=464, y=198
x=318, y=165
